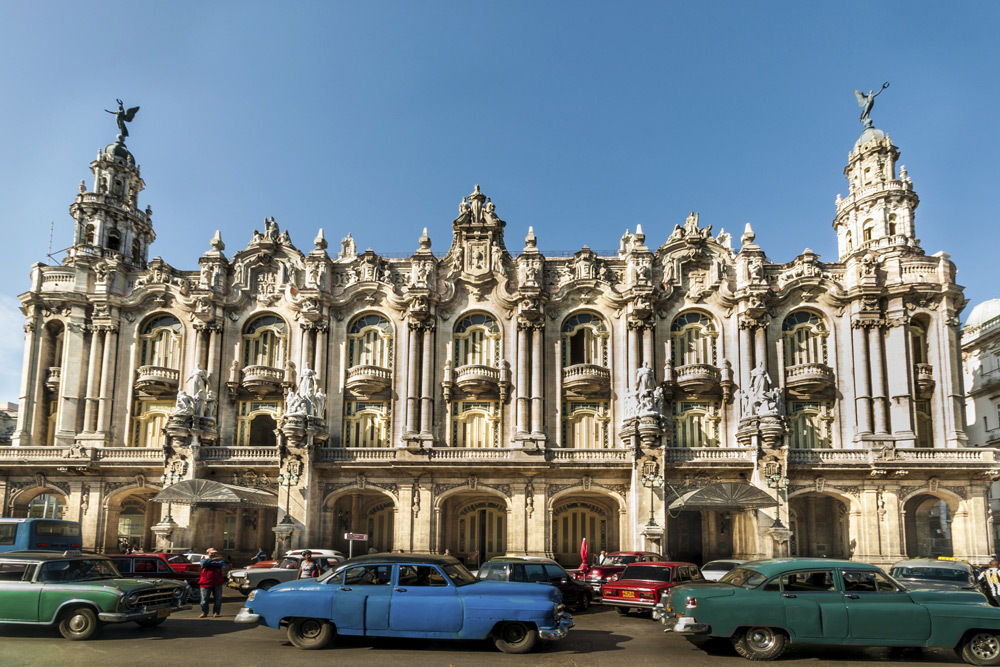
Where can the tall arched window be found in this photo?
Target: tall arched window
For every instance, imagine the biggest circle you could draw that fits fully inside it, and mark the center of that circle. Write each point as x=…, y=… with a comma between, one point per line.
x=475, y=424
x=693, y=336
x=810, y=424
x=136, y=251
x=868, y=230
x=369, y=342
x=587, y=425
x=114, y=240
x=585, y=340
x=892, y=224
x=160, y=342
x=804, y=335
x=264, y=341
x=918, y=341
x=89, y=235
x=257, y=422
x=477, y=341
x=366, y=423
x=45, y=506
x=696, y=423
x=150, y=420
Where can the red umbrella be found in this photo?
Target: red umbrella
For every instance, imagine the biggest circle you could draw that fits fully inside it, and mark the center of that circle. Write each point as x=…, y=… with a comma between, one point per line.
x=583, y=554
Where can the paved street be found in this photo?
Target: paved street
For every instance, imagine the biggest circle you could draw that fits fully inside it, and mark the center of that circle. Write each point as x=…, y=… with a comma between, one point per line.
x=601, y=637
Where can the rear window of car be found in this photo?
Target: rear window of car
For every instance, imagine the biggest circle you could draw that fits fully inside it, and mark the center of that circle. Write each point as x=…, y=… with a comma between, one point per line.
x=13, y=571
x=494, y=571
x=646, y=573
x=743, y=577
x=623, y=560
x=931, y=573
x=531, y=572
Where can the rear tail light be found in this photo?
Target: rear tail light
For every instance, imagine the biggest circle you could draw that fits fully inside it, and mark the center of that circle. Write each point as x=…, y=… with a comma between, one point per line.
x=41, y=544
x=691, y=603
x=74, y=545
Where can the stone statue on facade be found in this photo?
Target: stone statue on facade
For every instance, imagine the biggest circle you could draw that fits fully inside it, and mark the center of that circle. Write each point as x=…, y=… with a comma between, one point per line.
x=348, y=248
x=185, y=404
x=759, y=399
x=122, y=116
x=866, y=102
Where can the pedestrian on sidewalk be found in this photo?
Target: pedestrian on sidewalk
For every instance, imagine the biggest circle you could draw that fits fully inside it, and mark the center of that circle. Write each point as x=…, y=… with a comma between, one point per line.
x=210, y=582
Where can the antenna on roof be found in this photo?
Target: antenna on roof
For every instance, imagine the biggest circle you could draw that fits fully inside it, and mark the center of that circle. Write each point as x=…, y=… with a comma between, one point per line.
x=51, y=227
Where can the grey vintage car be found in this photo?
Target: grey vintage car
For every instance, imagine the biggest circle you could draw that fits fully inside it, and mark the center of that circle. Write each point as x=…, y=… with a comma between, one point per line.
x=287, y=569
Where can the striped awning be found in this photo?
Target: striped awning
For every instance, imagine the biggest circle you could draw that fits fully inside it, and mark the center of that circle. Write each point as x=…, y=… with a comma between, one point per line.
x=209, y=492
x=724, y=496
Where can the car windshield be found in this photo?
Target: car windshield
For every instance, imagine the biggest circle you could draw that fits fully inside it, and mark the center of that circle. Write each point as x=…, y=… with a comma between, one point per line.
x=720, y=566
x=622, y=560
x=458, y=574
x=288, y=564
x=931, y=573
x=78, y=570
x=646, y=573
x=743, y=577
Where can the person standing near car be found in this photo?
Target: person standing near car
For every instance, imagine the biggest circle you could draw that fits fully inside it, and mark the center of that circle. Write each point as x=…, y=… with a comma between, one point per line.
x=261, y=555
x=308, y=568
x=989, y=579
x=210, y=582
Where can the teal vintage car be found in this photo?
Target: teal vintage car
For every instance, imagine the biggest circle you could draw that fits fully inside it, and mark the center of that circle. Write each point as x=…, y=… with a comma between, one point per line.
x=79, y=593
x=764, y=605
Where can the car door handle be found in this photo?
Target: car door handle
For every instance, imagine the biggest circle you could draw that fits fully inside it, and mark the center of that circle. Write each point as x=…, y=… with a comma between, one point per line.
x=851, y=596
x=345, y=588
x=399, y=590
x=787, y=595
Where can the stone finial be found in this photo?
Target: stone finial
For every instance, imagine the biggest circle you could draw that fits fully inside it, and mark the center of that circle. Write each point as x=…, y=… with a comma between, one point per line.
x=320, y=240
x=531, y=241
x=639, y=237
x=425, y=240
x=83, y=186
x=748, y=235
x=216, y=242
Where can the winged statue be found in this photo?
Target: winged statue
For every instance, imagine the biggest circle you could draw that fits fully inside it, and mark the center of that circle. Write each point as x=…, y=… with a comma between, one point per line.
x=866, y=102
x=122, y=116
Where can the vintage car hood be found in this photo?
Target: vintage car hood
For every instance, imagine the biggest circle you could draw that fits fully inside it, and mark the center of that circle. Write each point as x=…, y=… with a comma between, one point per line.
x=952, y=596
x=498, y=588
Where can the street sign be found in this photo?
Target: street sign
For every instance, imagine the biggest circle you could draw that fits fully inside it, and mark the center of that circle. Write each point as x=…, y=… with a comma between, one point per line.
x=360, y=537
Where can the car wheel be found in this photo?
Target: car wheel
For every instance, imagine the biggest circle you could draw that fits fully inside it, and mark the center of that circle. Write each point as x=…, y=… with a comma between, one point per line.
x=982, y=648
x=623, y=610
x=265, y=585
x=150, y=622
x=79, y=623
x=515, y=637
x=759, y=643
x=310, y=633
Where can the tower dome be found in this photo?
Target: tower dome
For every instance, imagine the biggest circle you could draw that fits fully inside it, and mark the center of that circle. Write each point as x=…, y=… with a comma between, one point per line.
x=983, y=313
x=119, y=153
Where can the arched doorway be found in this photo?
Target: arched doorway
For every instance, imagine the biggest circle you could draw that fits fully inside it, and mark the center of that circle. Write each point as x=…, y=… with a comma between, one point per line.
x=39, y=504
x=359, y=511
x=928, y=527
x=576, y=518
x=474, y=527
x=132, y=523
x=684, y=536
x=820, y=526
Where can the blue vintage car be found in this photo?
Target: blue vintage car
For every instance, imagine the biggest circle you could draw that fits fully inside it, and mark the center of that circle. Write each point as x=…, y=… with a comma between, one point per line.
x=398, y=595
x=764, y=605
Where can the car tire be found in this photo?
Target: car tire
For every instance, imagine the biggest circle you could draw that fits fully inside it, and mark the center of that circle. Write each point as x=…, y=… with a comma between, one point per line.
x=515, y=637
x=759, y=643
x=582, y=604
x=268, y=584
x=623, y=610
x=79, y=623
x=310, y=633
x=982, y=648
x=149, y=622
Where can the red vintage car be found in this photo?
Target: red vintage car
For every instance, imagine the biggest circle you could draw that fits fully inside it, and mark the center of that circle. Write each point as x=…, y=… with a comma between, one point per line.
x=178, y=562
x=614, y=563
x=640, y=586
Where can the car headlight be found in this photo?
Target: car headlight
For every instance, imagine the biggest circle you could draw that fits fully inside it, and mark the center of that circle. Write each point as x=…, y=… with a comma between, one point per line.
x=252, y=595
x=178, y=592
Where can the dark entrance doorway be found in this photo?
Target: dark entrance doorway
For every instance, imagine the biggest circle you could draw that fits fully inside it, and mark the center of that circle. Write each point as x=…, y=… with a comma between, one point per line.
x=684, y=537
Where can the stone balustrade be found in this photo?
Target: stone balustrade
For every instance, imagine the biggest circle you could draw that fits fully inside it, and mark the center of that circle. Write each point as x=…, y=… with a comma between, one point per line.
x=471, y=454
x=587, y=379
x=239, y=454
x=697, y=378
x=32, y=453
x=367, y=380
x=807, y=379
x=356, y=454
x=261, y=379
x=589, y=455
x=703, y=454
x=142, y=454
x=157, y=379
x=477, y=379
x=922, y=454
x=53, y=378
x=869, y=190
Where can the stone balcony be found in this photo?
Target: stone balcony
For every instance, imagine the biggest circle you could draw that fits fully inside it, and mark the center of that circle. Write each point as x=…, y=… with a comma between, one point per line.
x=924, y=374
x=261, y=380
x=238, y=455
x=805, y=380
x=478, y=380
x=365, y=381
x=698, y=378
x=53, y=378
x=587, y=380
x=985, y=381
x=725, y=455
x=157, y=380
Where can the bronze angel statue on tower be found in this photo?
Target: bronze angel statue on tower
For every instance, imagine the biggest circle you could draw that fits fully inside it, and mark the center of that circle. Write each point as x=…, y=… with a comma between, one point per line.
x=866, y=102
x=122, y=116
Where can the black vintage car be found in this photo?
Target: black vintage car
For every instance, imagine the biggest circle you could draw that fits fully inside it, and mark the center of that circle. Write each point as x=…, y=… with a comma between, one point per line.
x=538, y=570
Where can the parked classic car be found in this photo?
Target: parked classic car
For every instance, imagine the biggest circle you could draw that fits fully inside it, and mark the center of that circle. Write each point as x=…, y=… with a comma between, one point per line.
x=764, y=605
x=252, y=578
x=406, y=595
x=155, y=566
x=716, y=569
x=80, y=593
x=598, y=575
x=641, y=586
x=939, y=573
x=534, y=569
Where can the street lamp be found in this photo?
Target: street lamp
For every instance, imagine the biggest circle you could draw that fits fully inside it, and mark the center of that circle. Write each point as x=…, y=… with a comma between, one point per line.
x=288, y=481
x=651, y=481
x=779, y=484
x=169, y=479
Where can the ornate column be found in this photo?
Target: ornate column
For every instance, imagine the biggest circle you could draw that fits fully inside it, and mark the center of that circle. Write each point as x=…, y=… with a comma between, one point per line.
x=877, y=379
x=537, y=380
x=107, y=379
x=647, y=346
x=32, y=394
x=760, y=346
x=901, y=382
x=93, y=377
x=523, y=346
x=427, y=384
x=215, y=373
x=322, y=336
x=862, y=395
x=747, y=327
x=412, y=380
x=632, y=353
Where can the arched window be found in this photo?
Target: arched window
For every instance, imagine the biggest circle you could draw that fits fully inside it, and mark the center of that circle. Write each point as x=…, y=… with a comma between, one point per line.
x=693, y=336
x=918, y=341
x=150, y=420
x=868, y=230
x=132, y=521
x=804, y=335
x=585, y=340
x=264, y=342
x=45, y=506
x=847, y=238
x=369, y=342
x=136, y=251
x=366, y=423
x=477, y=341
x=892, y=224
x=160, y=342
x=696, y=423
x=810, y=424
x=475, y=424
x=114, y=240
x=89, y=235
x=587, y=425
x=257, y=422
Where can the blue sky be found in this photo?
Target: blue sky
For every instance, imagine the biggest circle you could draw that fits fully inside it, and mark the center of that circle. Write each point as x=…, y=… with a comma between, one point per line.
x=579, y=118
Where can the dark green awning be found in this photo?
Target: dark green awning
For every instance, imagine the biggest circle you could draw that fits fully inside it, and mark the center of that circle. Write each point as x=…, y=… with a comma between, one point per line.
x=209, y=492
x=724, y=496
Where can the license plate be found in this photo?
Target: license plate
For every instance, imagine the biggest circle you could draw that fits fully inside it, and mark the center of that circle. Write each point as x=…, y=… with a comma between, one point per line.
x=163, y=613
x=628, y=594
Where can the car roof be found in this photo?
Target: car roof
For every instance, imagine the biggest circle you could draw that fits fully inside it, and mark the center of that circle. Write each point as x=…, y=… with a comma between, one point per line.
x=724, y=560
x=48, y=555
x=430, y=559
x=934, y=562
x=515, y=559
x=633, y=553
x=772, y=566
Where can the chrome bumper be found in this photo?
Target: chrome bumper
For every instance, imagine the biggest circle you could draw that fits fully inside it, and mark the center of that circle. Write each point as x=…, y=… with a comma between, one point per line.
x=559, y=631
x=246, y=615
x=632, y=604
x=126, y=616
x=241, y=586
x=685, y=625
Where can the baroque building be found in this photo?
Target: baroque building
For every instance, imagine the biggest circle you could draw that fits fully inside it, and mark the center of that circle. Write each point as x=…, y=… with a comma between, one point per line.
x=680, y=395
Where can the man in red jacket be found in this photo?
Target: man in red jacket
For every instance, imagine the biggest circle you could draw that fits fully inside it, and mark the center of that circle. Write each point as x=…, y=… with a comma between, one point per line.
x=211, y=581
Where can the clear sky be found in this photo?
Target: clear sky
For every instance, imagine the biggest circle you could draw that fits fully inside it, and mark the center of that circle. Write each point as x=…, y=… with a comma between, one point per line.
x=579, y=118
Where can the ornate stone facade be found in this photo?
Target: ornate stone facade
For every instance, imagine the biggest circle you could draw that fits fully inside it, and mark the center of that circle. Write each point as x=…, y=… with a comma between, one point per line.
x=489, y=402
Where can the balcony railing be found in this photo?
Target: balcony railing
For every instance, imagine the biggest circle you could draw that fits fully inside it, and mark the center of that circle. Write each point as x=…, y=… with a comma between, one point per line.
x=587, y=379
x=840, y=456
x=262, y=379
x=697, y=378
x=699, y=454
x=570, y=455
x=477, y=379
x=137, y=454
x=53, y=378
x=808, y=379
x=157, y=379
x=239, y=453
x=367, y=380
x=363, y=454
x=471, y=454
